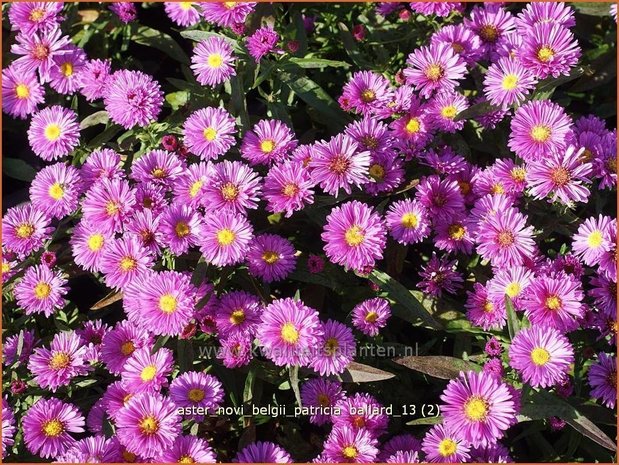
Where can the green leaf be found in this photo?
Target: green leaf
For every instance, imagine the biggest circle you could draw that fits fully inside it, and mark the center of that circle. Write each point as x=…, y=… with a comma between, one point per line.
x=601, y=72
x=163, y=42
x=545, y=405
x=311, y=62
x=17, y=168
x=476, y=110
x=203, y=35
x=414, y=311
x=293, y=374
x=104, y=137
x=513, y=324
x=425, y=421
x=438, y=366
x=177, y=99
x=359, y=373
x=592, y=8
x=546, y=87
x=185, y=355
x=99, y=117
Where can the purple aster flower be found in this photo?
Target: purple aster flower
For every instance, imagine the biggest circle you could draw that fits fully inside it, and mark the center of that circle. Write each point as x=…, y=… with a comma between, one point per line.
x=231, y=186
x=148, y=424
x=404, y=457
x=188, y=449
x=25, y=229
x=549, y=49
x=539, y=128
x=439, y=275
x=538, y=13
x=386, y=173
x=322, y=394
x=444, y=108
x=401, y=443
x=54, y=132
x=360, y=412
x=29, y=17
x=602, y=378
x=21, y=92
x=441, y=445
x=125, y=11
x=371, y=315
x=483, y=311
x=371, y=134
x=490, y=22
x=226, y=14
x=554, y=302
x=261, y=42
x=157, y=167
x=123, y=260
x=262, y=452
x=212, y=60
x=479, y=407
x=87, y=244
x=434, y=68
x=41, y=290
x=11, y=344
x=604, y=292
x=120, y=343
x=238, y=312
x=335, y=350
x=508, y=82
x=180, y=226
x=541, y=355
x=183, y=13
x=288, y=188
x=101, y=164
x=592, y=239
x=463, y=41
x=58, y=365
x=366, y=92
x=189, y=189
x=354, y=235
x=407, y=221
x=289, y=332
x=441, y=198
x=132, y=98
x=453, y=235
x=510, y=281
x=561, y=174
x=55, y=190
x=38, y=50
x=145, y=227
x=492, y=118
x=225, y=238
x=147, y=372
x=108, y=204
x=441, y=9
x=8, y=427
x=271, y=257
x=338, y=163
x=64, y=77
x=209, y=132
x=47, y=427
x=506, y=240
x=236, y=351
x=494, y=367
x=269, y=141
x=493, y=347
x=93, y=78
x=496, y=453
x=94, y=449
x=195, y=389
x=347, y=445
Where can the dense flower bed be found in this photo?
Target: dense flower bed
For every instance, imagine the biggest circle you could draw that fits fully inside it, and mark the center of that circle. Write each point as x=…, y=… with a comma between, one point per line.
x=309, y=232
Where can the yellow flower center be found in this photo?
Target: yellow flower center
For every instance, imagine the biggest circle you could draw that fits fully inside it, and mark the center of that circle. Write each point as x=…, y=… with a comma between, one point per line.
x=95, y=242
x=148, y=373
x=229, y=5
x=182, y=229
x=128, y=264
x=371, y=316
x=350, y=452
x=456, y=231
x=497, y=189
x=449, y=112
x=67, y=69
x=186, y=459
x=168, y=303
x=331, y=346
x=518, y=174
x=354, y=236
x=476, y=408
x=540, y=356
x=553, y=302
x=225, y=237
x=512, y=289
x=595, y=239
x=52, y=132
x=545, y=53
x=6, y=267
x=447, y=447
x=195, y=188
x=237, y=316
x=42, y=290
x=196, y=395
x=489, y=33
x=112, y=208
x=540, y=133
x=267, y=146
x=368, y=95
x=53, y=428
x=36, y=15
x=409, y=220
x=215, y=60
x=488, y=306
x=270, y=257
x=127, y=348
x=290, y=190
x=185, y=5
x=149, y=425
x=210, y=134
x=59, y=361
x=158, y=173
x=289, y=333
x=56, y=191
x=510, y=82
x=505, y=238
x=22, y=91
x=412, y=126
x=24, y=230
x=434, y=72
x=229, y=191
x=377, y=172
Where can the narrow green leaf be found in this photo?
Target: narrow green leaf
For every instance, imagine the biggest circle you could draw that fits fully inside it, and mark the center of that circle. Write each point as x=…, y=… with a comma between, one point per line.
x=293, y=372
x=592, y=8
x=161, y=41
x=99, y=117
x=203, y=35
x=177, y=99
x=360, y=373
x=513, y=324
x=474, y=111
x=312, y=62
x=17, y=168
x=438, y=366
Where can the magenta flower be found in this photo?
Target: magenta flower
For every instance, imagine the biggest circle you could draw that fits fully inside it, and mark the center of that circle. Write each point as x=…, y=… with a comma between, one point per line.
x=335, y=350
x=179, y=226
x=366, y=92
x=124, y=260
x=321, y=392
x=238, y=312
x=25, y=229
x=188, y=448
x=65, y=75
x=213, y=60
x=407, y=221
x=434, y=68
x=271, y=257
x=461, y=39
x=491, y=22
x=262, y=452
x=209, y=132
x=38, y=50
x=288, y=188
x=269, y=141
x=602, y=378
x=183, y=13
x=55, y=190
x=371, y=315
x=592, y=239
x=361, y=412
x=226, y=14
x=225, y=238
x=347, y=445
x=261, y=42
x=54, y=132
x=108, y=204
x=29, y=17
x=147, y=372
x=508, y=82
x=93, y=78
x=120, y=343
x=41, y=290
x=87, y=244
x=442, y=446
x=551, y=13
x=195, y=389
x=549, y=50
x=441, y=198
x=21, y=92
x=440, y=275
